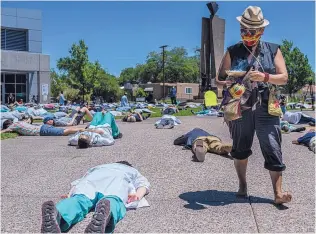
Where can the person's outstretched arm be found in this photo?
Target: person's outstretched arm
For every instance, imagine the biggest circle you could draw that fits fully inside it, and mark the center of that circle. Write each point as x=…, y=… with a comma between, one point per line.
x=68, y=131
x=142, y=186
x=6, y=130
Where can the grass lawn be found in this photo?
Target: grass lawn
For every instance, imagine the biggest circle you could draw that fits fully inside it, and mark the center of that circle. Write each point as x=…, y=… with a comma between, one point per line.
x=158, y=114
x=8, y=135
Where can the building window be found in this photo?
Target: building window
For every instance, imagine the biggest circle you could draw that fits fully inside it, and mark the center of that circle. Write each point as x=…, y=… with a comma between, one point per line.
x=188, y=90
x=12, y=39
x=15, y=84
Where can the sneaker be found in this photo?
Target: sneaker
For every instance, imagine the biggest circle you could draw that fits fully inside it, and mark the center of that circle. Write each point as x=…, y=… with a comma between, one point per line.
x=301, y=129
x=100, y=218
x=199, y=152
x=311, y=124
x=49, y=218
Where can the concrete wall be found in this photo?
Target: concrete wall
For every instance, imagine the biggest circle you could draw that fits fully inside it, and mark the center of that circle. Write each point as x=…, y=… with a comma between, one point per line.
x=32, y=62
x=30, y=20
x=38, y=66
x=181, y=95
x=24, y=61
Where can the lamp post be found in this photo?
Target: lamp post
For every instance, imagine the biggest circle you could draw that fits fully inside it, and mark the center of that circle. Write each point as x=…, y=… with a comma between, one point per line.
x=163, y=69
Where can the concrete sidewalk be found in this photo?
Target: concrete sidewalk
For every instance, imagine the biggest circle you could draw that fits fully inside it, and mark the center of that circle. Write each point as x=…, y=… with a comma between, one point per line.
x=186, y=196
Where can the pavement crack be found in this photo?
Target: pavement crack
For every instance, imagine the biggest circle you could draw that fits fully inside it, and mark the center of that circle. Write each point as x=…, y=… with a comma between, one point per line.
x=254, y=215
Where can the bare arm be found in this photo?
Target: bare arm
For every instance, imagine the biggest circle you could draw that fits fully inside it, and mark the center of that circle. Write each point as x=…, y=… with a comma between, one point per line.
x=6, y=130
x=225, y=65
x=141, y=192
x=96, y=130
x=281, y=76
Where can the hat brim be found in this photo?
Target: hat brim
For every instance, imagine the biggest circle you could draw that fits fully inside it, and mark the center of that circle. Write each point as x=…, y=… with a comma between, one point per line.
x=265, y=23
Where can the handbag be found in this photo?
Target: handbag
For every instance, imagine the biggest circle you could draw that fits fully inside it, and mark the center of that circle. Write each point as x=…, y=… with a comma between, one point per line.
x=232, y=110
x=273, y=103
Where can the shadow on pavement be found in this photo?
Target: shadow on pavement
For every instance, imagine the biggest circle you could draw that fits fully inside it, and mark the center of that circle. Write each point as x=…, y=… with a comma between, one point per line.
x=197, y=200
x=194, y=159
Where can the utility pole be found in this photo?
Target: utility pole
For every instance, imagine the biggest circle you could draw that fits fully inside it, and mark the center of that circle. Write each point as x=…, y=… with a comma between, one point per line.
x=82, y=92
x=163, y=70
x=199, y=63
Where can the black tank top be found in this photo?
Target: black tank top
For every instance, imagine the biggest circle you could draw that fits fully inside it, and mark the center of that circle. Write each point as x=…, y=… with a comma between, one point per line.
x=265, y=53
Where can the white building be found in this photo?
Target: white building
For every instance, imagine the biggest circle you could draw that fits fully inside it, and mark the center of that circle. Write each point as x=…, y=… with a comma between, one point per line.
x=25, y=71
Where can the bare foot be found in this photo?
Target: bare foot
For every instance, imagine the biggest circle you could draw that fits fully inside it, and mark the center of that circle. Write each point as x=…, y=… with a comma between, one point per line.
x=283, y=198
x=242, y=191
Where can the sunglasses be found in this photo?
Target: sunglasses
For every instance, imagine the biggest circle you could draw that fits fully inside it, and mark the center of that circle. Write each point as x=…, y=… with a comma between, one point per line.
x=249, y=31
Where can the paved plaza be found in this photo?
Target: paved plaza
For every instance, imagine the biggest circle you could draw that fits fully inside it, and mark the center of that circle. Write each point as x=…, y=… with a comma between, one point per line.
x=186, y=196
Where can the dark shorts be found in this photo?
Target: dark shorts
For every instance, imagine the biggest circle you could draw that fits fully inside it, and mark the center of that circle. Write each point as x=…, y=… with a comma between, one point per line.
x=78, y=118
x=48, y=130
x=268, y=130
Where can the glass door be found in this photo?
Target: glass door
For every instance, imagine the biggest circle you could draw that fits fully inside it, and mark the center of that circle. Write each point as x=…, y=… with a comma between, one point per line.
x=15, y=84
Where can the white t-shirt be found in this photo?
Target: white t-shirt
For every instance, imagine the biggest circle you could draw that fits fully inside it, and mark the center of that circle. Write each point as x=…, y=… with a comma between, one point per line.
x=292, y=117
x=96, y=139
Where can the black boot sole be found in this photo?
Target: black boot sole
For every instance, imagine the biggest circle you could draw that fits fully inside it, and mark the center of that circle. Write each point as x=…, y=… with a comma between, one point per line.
x=100, y=218
x=49, y=218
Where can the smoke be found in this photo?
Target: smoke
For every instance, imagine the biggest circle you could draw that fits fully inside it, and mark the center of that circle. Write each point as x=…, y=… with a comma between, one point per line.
x=240, y=65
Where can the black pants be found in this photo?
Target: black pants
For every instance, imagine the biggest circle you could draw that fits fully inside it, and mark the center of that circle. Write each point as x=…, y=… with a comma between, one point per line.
x=268, y=130
x=173, y=100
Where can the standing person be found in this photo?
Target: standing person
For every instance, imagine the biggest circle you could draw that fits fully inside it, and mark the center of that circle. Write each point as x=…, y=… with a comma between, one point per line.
x=124, y=100
x=173, y=95
x=34, y=99
x=271, y=71
x=11, y=99
x=61, y=98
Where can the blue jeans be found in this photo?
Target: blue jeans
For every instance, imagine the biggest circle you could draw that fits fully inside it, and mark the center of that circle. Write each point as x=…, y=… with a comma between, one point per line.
x=74, y=209
x=306, y=138
x=48, y=130
x=306, y=119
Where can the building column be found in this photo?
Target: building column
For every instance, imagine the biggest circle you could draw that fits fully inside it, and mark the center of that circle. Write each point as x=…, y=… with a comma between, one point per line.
x=43, y=77
x=39, y=98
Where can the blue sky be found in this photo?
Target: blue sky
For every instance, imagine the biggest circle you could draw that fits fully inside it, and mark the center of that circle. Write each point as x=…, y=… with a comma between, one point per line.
x=121, y=34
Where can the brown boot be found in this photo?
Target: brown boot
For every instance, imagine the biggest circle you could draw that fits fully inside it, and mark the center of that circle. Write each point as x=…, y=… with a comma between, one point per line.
x=199, y=150
x=226, y=148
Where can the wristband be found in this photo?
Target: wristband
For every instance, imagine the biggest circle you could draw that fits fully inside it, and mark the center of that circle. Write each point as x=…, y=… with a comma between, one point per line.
x=266, y=77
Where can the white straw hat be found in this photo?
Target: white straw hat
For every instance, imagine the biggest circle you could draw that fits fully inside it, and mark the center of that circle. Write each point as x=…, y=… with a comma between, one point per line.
x=253, y=18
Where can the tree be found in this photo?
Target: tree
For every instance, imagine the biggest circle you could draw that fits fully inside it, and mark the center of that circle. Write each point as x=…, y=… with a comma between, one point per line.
x=139, y=92
x=71, y=94
x=297, y=66
x=58, y=83
x=179, y=67
x=82, y=76
x=75, y=65
x=127, y=75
